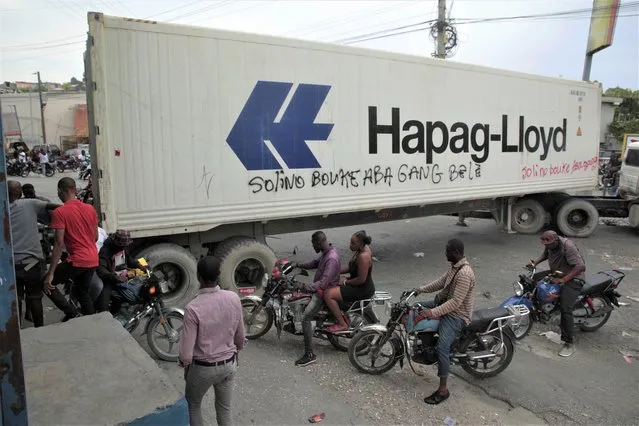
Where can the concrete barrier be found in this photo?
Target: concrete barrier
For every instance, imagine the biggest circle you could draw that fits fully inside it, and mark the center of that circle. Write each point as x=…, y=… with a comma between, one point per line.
x=91, y=371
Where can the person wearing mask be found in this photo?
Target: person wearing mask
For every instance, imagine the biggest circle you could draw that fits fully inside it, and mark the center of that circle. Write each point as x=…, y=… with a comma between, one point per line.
x=360, y=284
x=27, y=250
x=563, y=255
x=113, y=269
x=327, y=267
x=454, y=306
x=76, y=228
x=212, y=336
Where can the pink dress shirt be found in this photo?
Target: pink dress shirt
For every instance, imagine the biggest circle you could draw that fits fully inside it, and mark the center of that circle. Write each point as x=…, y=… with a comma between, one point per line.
x=213, y=327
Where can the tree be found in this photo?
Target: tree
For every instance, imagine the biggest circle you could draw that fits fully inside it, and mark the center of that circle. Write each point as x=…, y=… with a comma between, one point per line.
x=627, y=114
x=74, y=81
x=67, y=86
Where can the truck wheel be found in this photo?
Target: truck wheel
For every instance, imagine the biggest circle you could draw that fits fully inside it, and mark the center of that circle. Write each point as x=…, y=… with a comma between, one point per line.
x=529, y=216
x=577, y=218
x=180, y=269
x=244, y=263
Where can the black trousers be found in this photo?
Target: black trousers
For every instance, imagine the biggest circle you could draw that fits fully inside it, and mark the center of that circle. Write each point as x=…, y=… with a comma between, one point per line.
x=569, y=293
x=30, y=285
x=81, y=282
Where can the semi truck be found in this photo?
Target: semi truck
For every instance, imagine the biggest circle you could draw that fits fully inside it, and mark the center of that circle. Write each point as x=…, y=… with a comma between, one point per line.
x=205, y=141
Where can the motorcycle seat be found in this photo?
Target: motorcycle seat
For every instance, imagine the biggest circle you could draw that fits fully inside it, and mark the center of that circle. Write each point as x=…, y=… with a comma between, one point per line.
x=482, y=318
x=596, y=283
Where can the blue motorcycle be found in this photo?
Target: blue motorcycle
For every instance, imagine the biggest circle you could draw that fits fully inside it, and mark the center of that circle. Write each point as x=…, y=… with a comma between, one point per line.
x=536, y=291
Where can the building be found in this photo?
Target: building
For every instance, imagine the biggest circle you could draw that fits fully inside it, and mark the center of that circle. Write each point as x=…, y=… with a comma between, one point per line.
x=608, y=108
x=65, y=118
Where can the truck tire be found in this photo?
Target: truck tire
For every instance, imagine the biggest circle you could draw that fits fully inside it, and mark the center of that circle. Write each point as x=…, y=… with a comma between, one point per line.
x=180, y=269
x=244, y=263
x=528, y=216
x=577, y=218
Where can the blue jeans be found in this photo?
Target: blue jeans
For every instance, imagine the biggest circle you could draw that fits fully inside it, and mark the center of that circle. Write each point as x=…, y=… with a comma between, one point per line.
x=449, y=328
x=314, y=306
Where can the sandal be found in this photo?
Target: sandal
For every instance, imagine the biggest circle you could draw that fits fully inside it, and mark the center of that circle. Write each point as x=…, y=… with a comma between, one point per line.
x=336, y=328
x=436, y=398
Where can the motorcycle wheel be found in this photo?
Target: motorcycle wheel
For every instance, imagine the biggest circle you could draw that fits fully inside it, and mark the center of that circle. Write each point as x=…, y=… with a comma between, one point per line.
x=362, y=344
x=156, y=334
x=248, y=307
x=522, y=329
x=50, y=171
x=60, y=169
x=474, y=367
x=597, y=322
x=341, y=342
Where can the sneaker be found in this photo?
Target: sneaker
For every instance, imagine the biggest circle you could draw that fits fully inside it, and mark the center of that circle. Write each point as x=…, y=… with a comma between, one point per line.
x=567, y=350
x=307, y=359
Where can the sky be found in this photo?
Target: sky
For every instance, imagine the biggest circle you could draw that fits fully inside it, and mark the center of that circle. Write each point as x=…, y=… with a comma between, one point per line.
x=49, y=35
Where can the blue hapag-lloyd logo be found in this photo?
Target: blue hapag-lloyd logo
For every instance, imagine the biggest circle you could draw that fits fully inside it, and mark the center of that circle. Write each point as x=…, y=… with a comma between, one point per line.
x=256, y=124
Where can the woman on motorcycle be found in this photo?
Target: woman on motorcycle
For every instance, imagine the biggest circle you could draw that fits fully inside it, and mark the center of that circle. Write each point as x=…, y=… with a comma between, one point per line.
x=360, y=284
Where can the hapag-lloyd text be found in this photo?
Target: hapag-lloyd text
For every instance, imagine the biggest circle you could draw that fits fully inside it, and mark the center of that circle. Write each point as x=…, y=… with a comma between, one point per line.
x=436, y=137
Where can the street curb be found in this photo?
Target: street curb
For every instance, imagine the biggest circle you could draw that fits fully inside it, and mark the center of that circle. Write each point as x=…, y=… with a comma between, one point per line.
x=172, y=415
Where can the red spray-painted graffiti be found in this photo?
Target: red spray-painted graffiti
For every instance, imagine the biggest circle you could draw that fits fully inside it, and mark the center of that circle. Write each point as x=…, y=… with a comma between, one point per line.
x=565, y=168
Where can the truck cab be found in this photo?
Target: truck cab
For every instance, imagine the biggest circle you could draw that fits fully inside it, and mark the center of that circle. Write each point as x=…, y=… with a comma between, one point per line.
x=629, y=175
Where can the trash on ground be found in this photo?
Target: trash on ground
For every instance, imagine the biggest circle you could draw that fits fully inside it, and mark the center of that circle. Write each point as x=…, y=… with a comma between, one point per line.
x=624, y=268
x=628, y=359
x=375, y=259
x=624, y=304
x=487, y=295
x=449, y=421
x=317, y=418
x=625, y=334
x=419, y=254
x=634, y=299
x=552, y=336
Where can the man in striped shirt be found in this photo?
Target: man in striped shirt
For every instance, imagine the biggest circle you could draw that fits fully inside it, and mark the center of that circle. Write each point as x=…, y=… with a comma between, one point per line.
x=454, y=306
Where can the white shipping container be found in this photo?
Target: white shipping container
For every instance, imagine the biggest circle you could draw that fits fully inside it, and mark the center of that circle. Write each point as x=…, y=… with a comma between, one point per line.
x=197, y=127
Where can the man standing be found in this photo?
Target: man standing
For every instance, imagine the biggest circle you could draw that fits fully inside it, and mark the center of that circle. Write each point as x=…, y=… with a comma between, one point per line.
x=454, y=305
x=76, y=228
x=27, y=250
x=212, y=336
x=327, y=275
x=563, y=255
x=44, y=159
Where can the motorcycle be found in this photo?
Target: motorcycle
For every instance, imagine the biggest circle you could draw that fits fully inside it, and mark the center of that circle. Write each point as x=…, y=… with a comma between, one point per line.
x=591, y=311
x=86, y=194
x=37, y=168
x=66, y=164
x=283, y=306
x=18, y=169
x=139, y=298
x=85, y=170
x=484, y=348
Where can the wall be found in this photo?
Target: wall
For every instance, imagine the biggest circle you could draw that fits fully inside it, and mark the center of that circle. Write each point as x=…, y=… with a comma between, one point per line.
x=59, y=114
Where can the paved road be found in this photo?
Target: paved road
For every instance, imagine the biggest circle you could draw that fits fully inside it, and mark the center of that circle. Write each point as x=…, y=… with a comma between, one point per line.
x=595, y=386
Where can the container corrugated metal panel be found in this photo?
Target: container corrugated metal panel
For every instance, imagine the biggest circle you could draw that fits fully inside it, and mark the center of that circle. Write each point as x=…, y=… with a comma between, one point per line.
x=168, y=97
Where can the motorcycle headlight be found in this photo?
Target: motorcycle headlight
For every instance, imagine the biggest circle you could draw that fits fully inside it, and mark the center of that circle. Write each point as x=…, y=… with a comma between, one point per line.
x=518, y=288
x=388, y=308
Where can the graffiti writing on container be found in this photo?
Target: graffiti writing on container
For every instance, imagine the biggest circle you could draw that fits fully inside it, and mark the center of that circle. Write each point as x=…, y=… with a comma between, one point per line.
x=564, y=168
x=431, y=174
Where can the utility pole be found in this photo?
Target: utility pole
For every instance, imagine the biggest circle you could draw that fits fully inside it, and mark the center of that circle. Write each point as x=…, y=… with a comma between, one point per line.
x=441, y=29
x=44, y=133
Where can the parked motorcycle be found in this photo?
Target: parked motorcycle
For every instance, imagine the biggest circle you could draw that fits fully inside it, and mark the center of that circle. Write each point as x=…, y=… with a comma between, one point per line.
x=84, y=171
x=86, y=194
x=592, y=309
x=283, y=306
x=139, y=298
x=66, y=164
x=37, y=168
x=18, y=169
x=483, y=349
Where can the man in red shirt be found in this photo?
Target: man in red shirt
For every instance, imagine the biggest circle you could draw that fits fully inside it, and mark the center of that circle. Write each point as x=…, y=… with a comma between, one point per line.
x=76, y=228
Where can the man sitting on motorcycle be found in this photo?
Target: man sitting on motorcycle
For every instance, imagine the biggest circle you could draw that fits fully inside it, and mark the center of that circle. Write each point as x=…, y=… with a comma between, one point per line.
x=454, y=306
x=327, y=275
x=114, y=261
x=563, y=255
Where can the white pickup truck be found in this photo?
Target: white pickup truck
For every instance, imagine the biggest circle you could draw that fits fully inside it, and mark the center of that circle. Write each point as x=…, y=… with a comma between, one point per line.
x=205, y=141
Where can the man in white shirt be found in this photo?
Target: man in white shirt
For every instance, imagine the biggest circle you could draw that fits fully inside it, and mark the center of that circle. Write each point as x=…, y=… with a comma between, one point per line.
x=22, y=157
x=81, y=156
x=44, y=159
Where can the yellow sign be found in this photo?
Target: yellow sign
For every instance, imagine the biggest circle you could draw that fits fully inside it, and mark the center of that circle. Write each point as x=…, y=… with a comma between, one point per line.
x=579, y=131
x=602, y=25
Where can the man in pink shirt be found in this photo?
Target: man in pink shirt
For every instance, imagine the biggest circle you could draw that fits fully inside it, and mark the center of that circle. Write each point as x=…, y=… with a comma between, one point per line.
x=212, y=336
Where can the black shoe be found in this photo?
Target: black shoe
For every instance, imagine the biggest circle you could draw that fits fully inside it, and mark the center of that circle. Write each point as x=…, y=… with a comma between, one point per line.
x=289, y=328
x=308, y=359
x=69, y=317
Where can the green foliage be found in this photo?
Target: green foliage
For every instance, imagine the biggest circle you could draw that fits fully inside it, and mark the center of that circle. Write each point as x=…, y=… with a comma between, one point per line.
x=627, y=114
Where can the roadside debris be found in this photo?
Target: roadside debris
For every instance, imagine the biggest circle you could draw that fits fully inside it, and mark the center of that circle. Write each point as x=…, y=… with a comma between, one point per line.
x=449, y=421
x=552, y=336
x=625, y=334
x=628, y=359
x=317, y=418
x=634, y=299
x=375, y=259
x=624, y=304
x=418, y=254
x=487, y=295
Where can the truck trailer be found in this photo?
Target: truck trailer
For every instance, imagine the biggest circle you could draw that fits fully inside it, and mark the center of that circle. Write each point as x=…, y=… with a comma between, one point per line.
x=205, y=141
